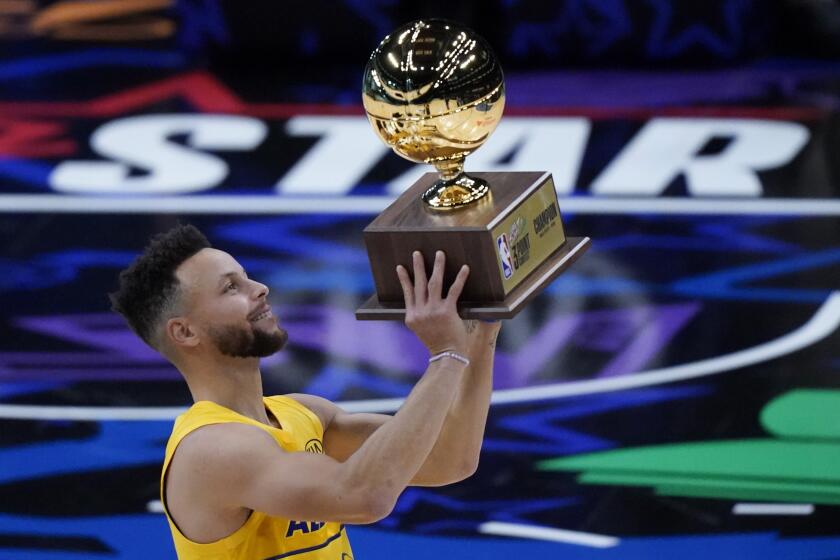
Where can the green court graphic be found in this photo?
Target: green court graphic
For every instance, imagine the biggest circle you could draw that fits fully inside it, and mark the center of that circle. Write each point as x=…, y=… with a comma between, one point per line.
x=797, y=463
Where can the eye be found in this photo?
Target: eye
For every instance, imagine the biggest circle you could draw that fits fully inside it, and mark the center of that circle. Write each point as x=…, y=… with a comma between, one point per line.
x=230, y=286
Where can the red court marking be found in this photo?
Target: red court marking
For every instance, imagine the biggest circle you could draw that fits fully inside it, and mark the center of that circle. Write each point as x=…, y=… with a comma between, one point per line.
x=19, y=138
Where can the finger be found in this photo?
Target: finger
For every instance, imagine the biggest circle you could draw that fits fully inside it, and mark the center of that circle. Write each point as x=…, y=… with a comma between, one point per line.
x=436, y=281
x=458, y=285
x=420, y=284
x=408, y=290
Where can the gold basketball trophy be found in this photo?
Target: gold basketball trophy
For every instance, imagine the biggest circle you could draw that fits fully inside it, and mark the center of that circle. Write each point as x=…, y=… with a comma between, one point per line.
x=434, y=92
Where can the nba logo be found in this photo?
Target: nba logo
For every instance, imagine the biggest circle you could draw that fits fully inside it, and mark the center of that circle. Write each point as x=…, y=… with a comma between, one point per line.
x=504, y=255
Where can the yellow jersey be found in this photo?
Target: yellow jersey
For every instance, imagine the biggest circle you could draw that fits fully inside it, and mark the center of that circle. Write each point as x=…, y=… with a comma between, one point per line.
x=262, y=537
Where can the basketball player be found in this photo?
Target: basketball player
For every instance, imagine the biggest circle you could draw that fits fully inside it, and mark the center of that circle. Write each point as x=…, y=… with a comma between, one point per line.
x=253, y=477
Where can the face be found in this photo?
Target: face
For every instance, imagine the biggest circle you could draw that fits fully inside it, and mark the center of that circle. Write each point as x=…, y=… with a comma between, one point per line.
x=227, y=309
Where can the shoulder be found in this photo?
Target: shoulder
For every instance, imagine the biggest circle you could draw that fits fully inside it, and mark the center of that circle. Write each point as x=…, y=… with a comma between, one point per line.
x=226, y=457
x=324, y=409
x=229, y=444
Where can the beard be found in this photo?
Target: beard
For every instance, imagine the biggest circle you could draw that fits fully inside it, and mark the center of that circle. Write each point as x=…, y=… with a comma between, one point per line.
x=247, y=342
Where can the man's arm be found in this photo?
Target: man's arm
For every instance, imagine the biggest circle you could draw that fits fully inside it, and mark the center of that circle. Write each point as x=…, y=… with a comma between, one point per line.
x=455, y=454
x=246, y=469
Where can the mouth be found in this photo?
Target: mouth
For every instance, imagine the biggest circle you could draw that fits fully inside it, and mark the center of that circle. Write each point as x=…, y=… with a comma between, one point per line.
x=265, y=313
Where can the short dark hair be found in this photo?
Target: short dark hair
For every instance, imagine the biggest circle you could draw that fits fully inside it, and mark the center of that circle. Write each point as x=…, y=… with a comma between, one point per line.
x=148, y=288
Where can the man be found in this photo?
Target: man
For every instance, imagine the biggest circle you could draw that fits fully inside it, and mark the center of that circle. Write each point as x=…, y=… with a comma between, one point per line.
x=253, y=477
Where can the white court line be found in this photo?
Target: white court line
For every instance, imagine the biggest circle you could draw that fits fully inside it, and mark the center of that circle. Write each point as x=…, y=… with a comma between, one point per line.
x=191, y=204
x=824, y=322
x=155, y=506
x=279, y=204
x=88, y=413
x=773, y=509
x=548, y=534
x=701, y=206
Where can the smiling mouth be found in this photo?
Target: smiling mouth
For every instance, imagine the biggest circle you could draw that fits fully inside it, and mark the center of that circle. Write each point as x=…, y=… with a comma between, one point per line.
x=264, y=315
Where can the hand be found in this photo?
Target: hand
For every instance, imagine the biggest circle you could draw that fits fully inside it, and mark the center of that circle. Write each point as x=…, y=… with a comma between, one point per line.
x=433, y=318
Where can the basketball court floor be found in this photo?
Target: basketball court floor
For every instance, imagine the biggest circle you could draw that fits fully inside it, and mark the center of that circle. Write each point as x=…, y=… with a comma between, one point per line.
x=675, y=394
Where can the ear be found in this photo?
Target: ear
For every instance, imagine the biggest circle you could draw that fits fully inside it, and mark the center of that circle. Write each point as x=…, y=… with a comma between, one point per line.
x=181, y=333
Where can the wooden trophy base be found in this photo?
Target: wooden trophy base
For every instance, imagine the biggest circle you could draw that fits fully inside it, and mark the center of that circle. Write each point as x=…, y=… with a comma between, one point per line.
x=512, y=240
x=550, y=269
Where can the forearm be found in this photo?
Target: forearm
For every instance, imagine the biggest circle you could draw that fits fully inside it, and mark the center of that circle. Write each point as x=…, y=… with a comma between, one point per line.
x=393, y=454
x=455, y=454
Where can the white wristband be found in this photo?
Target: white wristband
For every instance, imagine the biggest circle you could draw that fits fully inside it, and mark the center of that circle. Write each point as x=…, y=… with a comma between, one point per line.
x=448, y=354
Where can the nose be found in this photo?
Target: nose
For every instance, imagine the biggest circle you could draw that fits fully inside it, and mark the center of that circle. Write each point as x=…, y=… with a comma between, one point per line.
x=260, y=289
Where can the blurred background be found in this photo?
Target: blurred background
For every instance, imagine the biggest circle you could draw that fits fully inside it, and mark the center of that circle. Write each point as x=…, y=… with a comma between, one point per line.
x=674, y=394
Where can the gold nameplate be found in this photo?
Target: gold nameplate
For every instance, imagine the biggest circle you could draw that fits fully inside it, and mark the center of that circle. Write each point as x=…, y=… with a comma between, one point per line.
x=528, y=235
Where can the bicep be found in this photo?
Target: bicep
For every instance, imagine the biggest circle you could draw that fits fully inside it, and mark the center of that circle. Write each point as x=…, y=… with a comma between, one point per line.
x=344, y=432
x=250, y=470
x=347, y=432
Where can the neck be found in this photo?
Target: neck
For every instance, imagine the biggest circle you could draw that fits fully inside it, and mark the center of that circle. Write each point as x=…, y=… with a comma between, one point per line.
x=234, y=383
